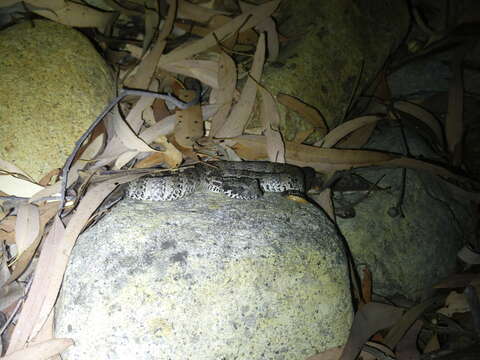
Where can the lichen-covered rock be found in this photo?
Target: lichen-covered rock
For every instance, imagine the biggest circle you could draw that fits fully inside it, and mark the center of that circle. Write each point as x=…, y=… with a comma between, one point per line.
x=53, y=84
x=406, y=255
x=206, y=278
x=333, y=52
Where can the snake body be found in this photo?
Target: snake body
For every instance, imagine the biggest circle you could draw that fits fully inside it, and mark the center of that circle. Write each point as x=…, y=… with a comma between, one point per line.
x=245, y=180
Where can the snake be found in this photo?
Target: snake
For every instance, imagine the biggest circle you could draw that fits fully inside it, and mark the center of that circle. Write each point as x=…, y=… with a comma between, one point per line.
x=244, y=180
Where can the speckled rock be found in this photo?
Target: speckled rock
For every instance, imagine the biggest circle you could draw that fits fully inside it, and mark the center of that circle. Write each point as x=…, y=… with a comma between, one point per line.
x=407, y=255
x=206, y=278
x=334, y=50
x=53, y=84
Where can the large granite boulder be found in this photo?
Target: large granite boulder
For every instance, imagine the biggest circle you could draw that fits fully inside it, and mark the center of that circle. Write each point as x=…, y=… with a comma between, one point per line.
x=407, y=255
x=332, y=52
x=53, y=84
x=206, y=277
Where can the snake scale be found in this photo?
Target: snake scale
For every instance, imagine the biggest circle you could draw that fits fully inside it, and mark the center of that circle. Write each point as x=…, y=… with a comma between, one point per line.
x=245, y=180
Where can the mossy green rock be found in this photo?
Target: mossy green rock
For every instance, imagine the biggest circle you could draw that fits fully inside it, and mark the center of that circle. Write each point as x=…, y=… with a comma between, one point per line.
x=53, y=84
x=206, y=278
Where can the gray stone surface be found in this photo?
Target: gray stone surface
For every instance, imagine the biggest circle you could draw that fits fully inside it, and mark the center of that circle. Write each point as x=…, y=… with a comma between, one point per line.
x=53, y=84
x=206, y=277
x=427, y=76
x=410, y=254
x=420, y=79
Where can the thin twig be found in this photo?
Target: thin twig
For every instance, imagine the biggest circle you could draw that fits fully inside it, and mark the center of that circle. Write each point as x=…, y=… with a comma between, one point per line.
x=355, y=90
x=403, y=184
x=126, y=92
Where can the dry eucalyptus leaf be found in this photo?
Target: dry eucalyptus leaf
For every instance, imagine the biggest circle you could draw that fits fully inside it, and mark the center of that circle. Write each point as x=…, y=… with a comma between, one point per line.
x=90, y=151
x=7, y=236
x=423, y=115
x=13, y=169
x=271, y=119
x=52, y=263
x=39, y=291
x=268, y=26
x=128, y=11
x=208, y=111
x=77, y=15
x=273, y=43
x=227, y=78
x=196, y=13
x=166, y=126
x=171, y=156
x=206, y=71
x=407, y=346
x=358, y=138
x=396, y=333
x=367, y=284
x=128, y=138
x=47, y=212
x=454, y=303
x=189, y=125
x=115, y=149
x=468, y=256
x=134, y=50
x=335, y=135
x=253, y=147
x=249, y=36
x=48, y=177
x=241, y=23
x=15, y=186
x=54, y=189
x=134, y=117
x=40, y=351
x=152, y=21
x=384, y=351
x=432, y=345
x=114, y=146
x=142, y=75
x=368, y=320
x=8, y=224
x=148, y=116
x=47, y=332
x=238, y=118
x=124, y=158
x=301, y=136
x=9, y=294
x=246, y=37
x=92, y=148
x=27, y=226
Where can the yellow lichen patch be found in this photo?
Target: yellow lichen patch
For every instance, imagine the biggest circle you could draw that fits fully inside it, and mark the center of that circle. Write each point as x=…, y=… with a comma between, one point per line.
x=53, y=84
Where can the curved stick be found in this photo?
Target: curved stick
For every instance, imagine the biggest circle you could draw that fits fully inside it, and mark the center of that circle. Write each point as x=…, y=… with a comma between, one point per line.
x=125, y=92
